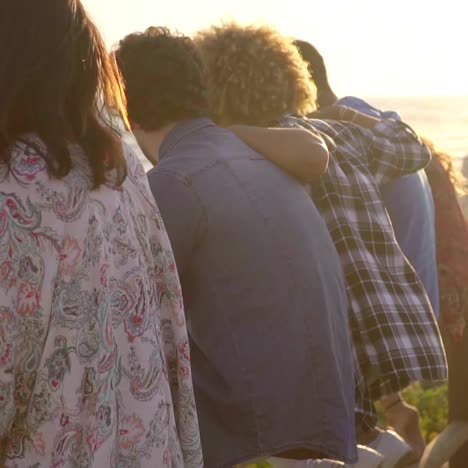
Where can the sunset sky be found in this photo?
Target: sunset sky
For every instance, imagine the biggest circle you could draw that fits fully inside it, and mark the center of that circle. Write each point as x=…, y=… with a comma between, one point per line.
x=371, y=47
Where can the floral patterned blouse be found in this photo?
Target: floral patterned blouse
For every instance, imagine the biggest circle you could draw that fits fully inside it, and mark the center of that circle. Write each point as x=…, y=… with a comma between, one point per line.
x=94, y=354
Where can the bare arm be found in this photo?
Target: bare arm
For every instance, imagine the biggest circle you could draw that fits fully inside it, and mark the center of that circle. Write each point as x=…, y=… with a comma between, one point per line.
x=300, y=152
x=358, y=118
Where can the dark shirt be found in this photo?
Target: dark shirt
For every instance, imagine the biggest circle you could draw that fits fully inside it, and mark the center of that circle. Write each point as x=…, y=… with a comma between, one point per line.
x=265, y=300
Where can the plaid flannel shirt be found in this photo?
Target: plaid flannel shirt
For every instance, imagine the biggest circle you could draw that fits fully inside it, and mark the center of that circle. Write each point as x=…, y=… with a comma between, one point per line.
x=395, y=334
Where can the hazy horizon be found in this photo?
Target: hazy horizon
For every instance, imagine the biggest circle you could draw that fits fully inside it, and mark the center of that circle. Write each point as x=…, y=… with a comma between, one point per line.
x=399, y=48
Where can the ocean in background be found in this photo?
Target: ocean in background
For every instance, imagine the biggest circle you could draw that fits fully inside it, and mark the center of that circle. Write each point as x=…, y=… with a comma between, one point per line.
x=444, y=120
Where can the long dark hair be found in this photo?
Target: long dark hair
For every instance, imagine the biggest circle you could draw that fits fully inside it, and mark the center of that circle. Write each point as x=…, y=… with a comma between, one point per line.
x=56, y=80
x=447, y=164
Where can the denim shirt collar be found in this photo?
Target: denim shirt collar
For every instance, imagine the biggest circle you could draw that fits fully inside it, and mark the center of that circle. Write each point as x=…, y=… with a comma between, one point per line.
x=180, y=131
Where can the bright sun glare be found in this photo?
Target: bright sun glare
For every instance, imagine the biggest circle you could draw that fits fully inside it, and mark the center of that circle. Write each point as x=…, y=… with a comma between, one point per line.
x=371, y=48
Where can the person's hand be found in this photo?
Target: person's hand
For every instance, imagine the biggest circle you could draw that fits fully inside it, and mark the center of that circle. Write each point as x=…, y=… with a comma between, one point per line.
x=329, y=113
x=335, y=112
x=346, y=114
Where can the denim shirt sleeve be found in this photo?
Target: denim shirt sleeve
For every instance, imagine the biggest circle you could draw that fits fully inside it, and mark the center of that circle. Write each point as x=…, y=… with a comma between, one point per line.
x=182, y=212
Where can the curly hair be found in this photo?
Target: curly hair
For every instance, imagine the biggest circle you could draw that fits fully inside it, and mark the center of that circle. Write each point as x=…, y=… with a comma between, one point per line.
x=253, y=74
x=163, y=78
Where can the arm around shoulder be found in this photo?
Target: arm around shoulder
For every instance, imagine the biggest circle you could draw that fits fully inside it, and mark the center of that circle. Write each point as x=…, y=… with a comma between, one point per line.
x=300, y=152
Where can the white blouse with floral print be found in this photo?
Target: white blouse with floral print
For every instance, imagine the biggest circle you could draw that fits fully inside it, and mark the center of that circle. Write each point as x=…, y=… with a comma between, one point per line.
x=94, y=354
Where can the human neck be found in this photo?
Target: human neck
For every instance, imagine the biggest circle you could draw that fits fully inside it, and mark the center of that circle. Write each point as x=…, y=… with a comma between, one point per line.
x=150, y=141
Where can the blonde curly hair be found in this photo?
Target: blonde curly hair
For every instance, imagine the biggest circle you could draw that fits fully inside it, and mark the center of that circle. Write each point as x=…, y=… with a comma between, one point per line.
x=253, y=74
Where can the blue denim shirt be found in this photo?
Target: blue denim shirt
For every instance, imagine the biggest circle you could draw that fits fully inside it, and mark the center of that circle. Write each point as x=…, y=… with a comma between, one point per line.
x=265, y=300
x=410, y=206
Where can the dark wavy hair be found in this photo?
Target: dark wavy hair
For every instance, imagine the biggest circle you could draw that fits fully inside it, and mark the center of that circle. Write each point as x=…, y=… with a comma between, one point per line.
x=447, y=164
x=57, y=81
x=163, y=77
x=318, y=72
x=314, y=61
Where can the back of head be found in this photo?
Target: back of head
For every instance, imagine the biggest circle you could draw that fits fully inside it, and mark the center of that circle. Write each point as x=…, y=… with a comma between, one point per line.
x=56, y=78
x=318, y=71
x=444, y=162
x=254, y=74
x=314, y=61
x=163, y=78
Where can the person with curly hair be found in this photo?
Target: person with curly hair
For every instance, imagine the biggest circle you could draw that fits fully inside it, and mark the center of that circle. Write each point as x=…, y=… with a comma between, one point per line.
x=177, y=75
x=395, y=334
x=262, y=282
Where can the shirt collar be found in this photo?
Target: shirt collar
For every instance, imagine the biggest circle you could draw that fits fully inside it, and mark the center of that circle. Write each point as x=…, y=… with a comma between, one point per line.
x=180, y=131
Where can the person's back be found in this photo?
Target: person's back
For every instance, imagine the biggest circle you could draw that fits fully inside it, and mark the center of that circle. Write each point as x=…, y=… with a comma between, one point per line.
x=82, y=321
x=413, y=220
x=410, y=206
x=265, y=300
x=409, y=203
x=91, y=314
x=396, y=339
x=452, y=257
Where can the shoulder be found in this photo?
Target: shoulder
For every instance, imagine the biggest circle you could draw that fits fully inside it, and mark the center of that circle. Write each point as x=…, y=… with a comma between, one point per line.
x=27, y=162
x=135, y=163
x=25, y=182
x=28, y=166
x=331, y=128
x=27, y=189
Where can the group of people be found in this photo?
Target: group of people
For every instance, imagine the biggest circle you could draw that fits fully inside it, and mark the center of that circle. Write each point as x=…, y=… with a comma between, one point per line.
x=280, y=269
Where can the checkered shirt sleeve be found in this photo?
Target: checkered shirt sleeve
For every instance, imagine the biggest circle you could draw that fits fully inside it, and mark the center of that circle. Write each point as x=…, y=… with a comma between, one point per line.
x=395, y=334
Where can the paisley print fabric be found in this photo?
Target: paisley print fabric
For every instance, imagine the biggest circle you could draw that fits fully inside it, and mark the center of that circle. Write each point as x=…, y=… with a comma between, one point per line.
x=94, y=354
